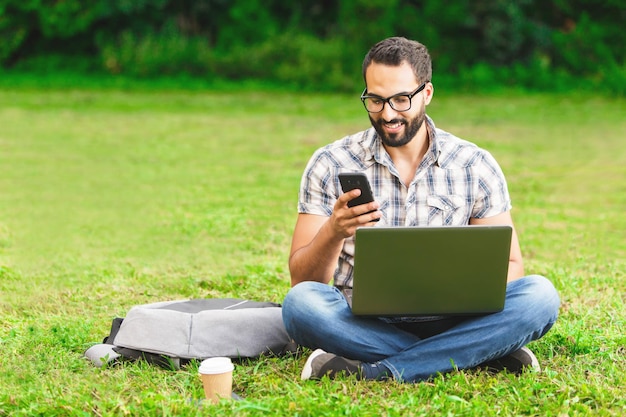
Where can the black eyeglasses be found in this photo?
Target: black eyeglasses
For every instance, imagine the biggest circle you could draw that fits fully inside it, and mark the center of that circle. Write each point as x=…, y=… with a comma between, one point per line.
x=399, y=102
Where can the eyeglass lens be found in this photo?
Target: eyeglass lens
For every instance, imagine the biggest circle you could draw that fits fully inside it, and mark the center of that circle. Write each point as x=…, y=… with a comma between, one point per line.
x=398, y=103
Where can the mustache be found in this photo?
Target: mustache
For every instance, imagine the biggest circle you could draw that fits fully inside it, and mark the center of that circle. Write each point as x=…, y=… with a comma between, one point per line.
x=392, y=121
x=381, y=122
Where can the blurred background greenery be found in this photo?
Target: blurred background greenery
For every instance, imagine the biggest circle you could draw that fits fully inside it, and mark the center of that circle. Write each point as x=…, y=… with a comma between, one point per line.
x=477, y=45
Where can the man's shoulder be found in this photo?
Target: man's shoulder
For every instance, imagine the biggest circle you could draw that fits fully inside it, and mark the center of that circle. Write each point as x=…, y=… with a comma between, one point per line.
x=352, y=151
x=454, y=152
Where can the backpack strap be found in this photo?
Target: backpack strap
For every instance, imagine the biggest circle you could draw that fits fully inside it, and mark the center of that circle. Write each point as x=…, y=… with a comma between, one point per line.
x=115, y=327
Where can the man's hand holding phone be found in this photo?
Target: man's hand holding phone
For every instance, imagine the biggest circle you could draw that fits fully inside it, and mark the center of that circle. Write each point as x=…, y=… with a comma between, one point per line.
x=356, y=207
x=345, y=220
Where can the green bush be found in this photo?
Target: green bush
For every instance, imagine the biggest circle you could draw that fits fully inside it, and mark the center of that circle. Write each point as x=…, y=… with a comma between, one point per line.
x=551, y=44
x=154, y=54
x=296, y=60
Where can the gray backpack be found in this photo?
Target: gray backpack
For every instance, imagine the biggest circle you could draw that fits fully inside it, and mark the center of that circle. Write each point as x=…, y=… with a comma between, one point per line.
x=171, y=333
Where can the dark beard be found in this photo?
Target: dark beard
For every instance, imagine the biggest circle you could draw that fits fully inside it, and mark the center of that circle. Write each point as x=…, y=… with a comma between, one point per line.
x=395, y=141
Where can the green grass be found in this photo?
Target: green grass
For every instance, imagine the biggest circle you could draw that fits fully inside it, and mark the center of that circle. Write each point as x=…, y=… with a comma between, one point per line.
x=111, y=198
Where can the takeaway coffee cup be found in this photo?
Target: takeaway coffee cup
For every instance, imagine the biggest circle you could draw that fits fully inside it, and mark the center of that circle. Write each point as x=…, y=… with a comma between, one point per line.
x=217, y=378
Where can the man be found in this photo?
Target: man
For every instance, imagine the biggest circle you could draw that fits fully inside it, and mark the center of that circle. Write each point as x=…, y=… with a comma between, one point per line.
x=420, y=176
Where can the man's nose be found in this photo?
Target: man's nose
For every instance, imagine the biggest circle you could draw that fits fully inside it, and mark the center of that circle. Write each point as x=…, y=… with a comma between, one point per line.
x=388, y=113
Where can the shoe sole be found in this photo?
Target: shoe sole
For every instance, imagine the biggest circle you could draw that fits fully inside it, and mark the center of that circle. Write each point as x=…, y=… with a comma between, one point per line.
x=307, y=371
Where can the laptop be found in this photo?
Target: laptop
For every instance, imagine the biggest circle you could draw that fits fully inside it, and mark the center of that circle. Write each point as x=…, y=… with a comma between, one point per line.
x=430, y=271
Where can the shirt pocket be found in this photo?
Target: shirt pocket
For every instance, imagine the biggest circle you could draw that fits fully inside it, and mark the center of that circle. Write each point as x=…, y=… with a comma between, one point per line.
x=447, y=210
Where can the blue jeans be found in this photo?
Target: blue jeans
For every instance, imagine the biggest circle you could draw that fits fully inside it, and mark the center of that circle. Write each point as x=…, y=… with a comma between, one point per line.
x=317, y=315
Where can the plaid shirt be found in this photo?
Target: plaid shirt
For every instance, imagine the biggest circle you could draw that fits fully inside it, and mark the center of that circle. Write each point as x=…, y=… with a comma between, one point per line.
x=455, y=181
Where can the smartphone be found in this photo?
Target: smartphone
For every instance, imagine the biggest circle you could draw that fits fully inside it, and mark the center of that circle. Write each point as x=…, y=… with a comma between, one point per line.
x=352, y=180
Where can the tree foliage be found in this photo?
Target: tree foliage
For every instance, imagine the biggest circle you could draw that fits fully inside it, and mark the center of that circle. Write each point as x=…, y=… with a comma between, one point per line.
x=319, y=42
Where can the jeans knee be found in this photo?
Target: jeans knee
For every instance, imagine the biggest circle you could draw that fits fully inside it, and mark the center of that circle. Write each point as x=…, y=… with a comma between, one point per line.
x=305, y=301
x=540, y=300
x=308, y=305
x=299, y=296
x=546, y=294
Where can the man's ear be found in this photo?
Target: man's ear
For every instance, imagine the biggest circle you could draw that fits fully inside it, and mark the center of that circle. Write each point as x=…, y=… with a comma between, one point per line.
x=429, y=90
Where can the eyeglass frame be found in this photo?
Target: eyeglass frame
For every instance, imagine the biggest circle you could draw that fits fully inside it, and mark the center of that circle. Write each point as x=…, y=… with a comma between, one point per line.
x=388, y=99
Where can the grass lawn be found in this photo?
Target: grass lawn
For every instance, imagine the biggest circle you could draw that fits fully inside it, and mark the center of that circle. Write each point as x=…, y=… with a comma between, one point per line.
x=111, y=198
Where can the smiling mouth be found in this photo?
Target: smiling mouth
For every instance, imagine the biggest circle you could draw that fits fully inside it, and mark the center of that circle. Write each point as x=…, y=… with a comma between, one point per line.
x=393, y=125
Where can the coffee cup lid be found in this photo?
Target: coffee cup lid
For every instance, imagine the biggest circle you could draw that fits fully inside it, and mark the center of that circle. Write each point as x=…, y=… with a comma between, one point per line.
x=216, y=366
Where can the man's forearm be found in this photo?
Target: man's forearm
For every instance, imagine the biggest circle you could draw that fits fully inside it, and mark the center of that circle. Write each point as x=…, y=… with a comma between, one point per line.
x=317, y=260
x=516, y=270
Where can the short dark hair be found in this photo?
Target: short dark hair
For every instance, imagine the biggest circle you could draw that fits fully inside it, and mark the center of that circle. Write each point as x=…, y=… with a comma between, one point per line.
x=394, y=51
